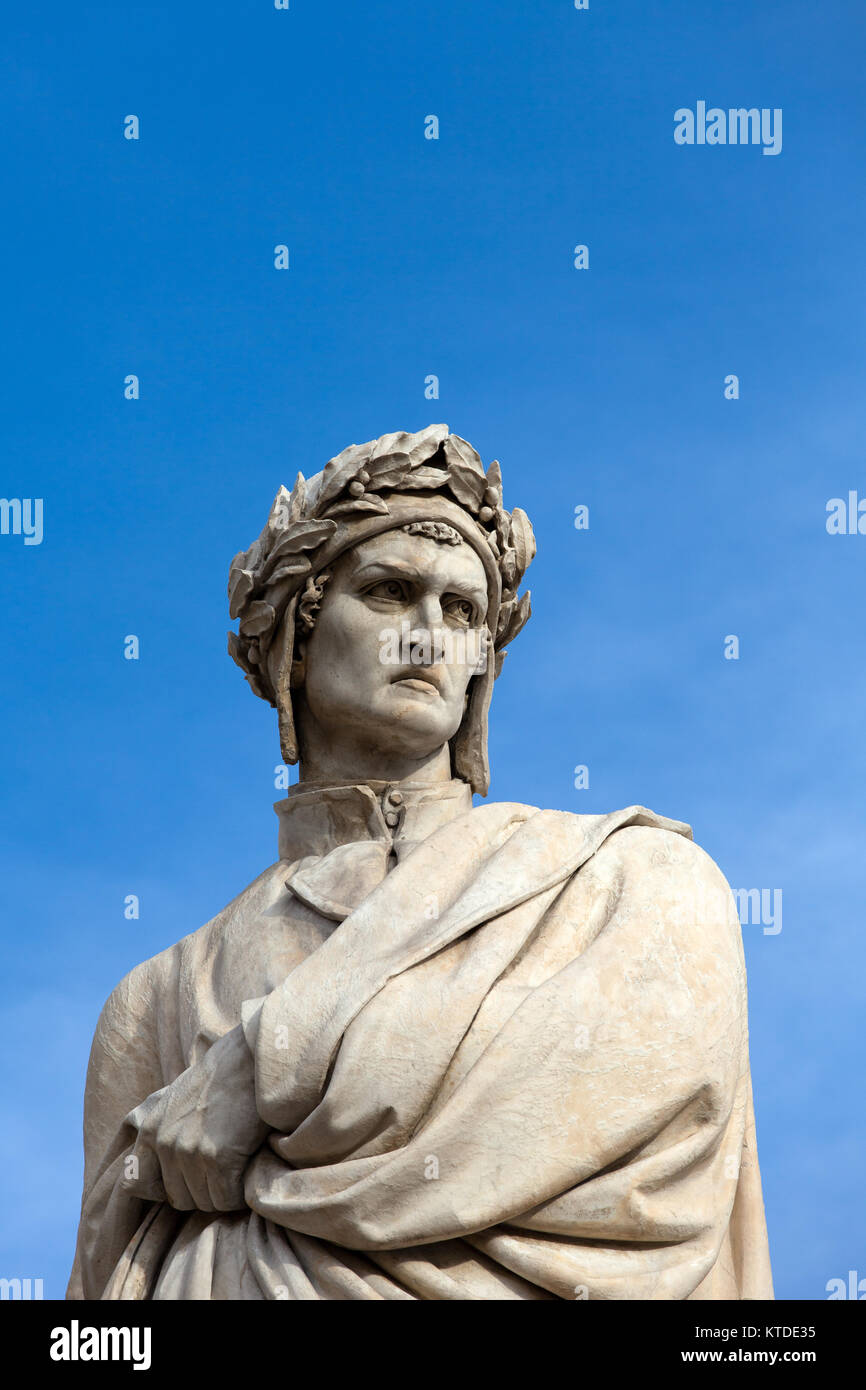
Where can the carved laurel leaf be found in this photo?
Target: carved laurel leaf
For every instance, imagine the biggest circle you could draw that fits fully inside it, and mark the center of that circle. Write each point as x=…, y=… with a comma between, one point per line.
x=426, y=444
x=278, y=518
x=235, y=650
x=523, y=539
x=298, y=498
x=295, y=565
x=241, y=584
x=390, y=444
x=459, y=450
x=256, y=550
x=494, y=482
x=424, y=478
x=340, y=471
x=259, y=618
x=508, y=567
x=467, y=485
x=301, y=535
x=389, y=470
x=359, y=504
x=512, y=619
x=305, y=535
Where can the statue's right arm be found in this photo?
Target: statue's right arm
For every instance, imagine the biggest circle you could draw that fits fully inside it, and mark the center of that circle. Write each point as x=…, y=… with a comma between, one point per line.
x=195, y=1136
x=130, y=1051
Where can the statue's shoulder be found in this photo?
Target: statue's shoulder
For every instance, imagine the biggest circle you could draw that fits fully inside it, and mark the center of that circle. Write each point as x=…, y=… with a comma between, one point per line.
x=634, y=843
x=645, y=840
x=257, y=902
x=652, y=862
x=159, y=974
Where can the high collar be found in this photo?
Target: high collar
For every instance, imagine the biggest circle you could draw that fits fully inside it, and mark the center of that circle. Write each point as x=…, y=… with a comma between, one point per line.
x=316, y=817
x=341, y=838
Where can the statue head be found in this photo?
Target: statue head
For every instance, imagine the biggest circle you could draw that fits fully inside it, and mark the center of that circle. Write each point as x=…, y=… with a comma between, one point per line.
x=376, y=605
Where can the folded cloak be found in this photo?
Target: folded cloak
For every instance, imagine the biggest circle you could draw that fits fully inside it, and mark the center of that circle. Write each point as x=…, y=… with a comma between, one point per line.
x=508, y=1060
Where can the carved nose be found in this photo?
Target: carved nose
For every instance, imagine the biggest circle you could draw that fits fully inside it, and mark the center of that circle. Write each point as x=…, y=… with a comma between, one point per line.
x=428, y=614
x=426, y=632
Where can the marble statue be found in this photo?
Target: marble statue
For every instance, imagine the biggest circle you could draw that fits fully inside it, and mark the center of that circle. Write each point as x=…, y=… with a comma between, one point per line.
x=436, y=1050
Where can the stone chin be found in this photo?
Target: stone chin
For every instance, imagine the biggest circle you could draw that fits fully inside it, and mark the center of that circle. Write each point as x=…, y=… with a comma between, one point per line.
x=418, y=716
x=408, y=715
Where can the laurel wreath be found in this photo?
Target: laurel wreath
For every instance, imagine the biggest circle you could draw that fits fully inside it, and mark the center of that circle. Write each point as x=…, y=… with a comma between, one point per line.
x=301, y=522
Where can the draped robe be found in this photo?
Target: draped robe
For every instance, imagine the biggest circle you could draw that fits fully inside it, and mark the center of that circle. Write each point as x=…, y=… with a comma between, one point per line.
x=503, y=1054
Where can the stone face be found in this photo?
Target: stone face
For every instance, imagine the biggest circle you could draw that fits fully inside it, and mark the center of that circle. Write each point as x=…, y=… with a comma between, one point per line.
x=435, y=1051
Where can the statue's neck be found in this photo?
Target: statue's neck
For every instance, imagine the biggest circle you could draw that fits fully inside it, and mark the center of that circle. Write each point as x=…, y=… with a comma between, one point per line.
x=337, y=761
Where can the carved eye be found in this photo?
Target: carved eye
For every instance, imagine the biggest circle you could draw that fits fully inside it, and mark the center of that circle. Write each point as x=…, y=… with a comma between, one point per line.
x=461, y=610
x=391, y=589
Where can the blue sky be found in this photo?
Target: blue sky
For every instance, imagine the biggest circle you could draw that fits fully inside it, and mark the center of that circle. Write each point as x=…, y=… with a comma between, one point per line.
x=603, y=387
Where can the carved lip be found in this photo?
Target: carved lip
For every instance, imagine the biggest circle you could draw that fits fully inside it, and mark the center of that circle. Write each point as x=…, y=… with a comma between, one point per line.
x=426, y=687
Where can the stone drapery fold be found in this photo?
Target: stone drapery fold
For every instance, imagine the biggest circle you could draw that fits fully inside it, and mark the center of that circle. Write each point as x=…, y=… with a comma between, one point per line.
x=518, y=1068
